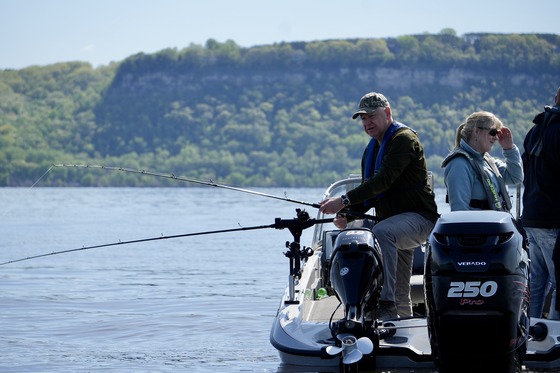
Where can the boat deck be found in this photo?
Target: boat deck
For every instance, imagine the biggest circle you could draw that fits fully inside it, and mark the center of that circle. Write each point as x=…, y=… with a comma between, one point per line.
x=321, y=310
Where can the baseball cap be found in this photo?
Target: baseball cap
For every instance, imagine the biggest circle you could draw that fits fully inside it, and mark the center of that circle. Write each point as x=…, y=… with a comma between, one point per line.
x=370, y=102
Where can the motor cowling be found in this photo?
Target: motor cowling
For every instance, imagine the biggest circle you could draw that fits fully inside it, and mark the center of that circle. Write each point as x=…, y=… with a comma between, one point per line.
x=356, y=268
x=476, y=289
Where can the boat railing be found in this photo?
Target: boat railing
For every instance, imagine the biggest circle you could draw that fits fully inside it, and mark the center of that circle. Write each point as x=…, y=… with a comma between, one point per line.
x=335, y=189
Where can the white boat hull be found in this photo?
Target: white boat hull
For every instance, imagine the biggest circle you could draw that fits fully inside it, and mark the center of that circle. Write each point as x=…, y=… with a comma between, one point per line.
x=301, y=334
x=301, y=331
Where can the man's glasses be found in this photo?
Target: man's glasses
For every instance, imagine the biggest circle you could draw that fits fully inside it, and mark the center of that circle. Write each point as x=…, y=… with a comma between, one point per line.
x=491, y=131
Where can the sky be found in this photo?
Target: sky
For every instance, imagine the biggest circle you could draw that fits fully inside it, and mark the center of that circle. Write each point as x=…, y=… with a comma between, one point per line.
x=43, y=32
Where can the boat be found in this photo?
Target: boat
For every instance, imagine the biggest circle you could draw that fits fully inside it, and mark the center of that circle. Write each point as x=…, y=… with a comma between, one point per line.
x=469, y=291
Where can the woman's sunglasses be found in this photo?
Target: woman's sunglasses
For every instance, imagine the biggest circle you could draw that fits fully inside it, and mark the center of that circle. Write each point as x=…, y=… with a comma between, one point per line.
x=491, y=131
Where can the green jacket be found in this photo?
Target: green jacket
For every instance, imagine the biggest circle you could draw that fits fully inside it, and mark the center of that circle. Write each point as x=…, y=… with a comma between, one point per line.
x=402, y=181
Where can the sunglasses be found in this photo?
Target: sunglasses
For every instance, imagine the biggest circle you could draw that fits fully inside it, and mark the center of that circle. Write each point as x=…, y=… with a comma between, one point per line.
x=491, y=131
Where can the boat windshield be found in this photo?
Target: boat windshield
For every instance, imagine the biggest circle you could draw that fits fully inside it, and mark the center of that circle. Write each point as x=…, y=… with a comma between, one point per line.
x=335, y=189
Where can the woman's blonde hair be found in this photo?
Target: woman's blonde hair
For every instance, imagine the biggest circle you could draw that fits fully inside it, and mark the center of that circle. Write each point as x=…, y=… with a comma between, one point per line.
x=479, y=119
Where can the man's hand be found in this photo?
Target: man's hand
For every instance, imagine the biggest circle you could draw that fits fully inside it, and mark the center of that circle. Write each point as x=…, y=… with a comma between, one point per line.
x=331, y=205
x=340, y=221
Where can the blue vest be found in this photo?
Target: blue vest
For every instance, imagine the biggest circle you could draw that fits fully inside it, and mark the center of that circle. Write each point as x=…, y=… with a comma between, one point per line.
x=369, y=167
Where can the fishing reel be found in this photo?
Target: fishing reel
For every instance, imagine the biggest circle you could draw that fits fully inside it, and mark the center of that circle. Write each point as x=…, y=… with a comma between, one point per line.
x=302, y=215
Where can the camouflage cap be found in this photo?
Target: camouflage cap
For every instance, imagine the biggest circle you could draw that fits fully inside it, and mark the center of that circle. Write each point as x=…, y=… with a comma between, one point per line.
x=370, y=102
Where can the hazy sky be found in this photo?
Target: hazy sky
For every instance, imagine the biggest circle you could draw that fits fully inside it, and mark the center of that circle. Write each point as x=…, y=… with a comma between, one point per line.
x=42, y=32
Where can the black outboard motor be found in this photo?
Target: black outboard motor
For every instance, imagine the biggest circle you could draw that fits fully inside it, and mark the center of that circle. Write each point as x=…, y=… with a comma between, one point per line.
x=356, y=273
x=356, y=276
x=477, y=296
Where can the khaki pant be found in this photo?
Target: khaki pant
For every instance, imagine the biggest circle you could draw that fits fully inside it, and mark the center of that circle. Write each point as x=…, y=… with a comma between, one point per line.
x=398, y=237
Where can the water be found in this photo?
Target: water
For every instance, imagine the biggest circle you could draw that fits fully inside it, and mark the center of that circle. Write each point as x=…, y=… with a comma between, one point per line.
x=204, y=303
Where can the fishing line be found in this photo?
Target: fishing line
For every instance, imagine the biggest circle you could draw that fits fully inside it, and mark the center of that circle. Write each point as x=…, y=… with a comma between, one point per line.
x=279, y=224
x=31, y=187
x=42, y=176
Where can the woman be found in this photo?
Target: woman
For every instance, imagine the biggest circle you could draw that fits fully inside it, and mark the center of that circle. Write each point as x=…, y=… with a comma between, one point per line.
x=475, y=180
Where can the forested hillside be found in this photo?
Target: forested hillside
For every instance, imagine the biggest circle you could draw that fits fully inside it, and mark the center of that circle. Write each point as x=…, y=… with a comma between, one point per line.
x=273, y=115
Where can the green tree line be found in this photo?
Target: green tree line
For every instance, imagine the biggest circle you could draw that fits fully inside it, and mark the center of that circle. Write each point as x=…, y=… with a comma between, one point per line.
x=271, y=115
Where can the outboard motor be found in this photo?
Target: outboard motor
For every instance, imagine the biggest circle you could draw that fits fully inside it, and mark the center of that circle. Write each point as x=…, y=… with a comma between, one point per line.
x=476, y=289
x=356, y=276
x=356, y=272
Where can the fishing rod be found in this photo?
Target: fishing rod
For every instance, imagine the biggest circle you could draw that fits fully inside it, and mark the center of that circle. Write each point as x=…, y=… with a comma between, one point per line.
x=213, y=184
x=278, y=224
x=187, y=179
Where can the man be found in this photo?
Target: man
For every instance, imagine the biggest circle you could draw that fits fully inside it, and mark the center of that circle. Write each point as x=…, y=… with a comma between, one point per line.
x=541, y=204
x=395, y=183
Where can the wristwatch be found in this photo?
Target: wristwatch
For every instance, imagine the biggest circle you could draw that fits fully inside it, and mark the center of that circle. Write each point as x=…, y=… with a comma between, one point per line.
x=345, y=200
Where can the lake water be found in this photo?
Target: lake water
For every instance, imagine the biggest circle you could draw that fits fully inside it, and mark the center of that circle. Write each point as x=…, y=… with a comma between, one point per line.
x=204, y=303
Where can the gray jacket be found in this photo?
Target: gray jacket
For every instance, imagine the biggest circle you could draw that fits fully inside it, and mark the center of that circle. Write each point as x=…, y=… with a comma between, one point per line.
x=464, y=183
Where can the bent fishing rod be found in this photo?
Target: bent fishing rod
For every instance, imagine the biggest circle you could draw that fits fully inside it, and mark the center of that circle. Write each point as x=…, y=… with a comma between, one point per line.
x=187, y=179
x=292, y=224
x=210, y=183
